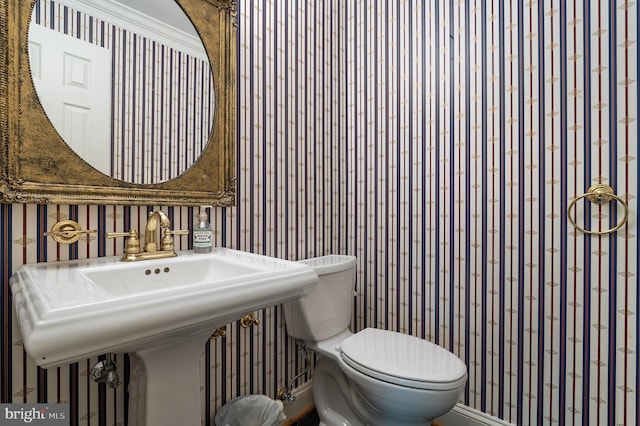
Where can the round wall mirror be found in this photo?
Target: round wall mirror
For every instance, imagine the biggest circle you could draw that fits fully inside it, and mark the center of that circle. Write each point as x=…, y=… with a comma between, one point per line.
x=127, y=84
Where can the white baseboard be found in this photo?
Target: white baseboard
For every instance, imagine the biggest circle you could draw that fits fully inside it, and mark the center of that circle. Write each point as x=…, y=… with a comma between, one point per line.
x=302, y=404
x=461, y=415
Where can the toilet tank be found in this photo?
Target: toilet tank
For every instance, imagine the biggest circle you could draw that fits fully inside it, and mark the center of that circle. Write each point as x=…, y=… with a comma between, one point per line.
x=327, y=310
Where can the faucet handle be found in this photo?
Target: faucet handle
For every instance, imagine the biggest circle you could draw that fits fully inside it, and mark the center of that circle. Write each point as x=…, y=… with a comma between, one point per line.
x=167, y=240
x=67, y=232
x=132, y=243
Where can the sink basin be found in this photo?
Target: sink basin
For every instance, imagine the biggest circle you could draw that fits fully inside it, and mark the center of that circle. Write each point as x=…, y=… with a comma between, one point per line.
x=184, y=272
x=161, y=312
x=72, y=310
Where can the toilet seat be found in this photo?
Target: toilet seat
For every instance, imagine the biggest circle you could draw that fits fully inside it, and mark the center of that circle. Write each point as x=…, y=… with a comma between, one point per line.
x=403, y=360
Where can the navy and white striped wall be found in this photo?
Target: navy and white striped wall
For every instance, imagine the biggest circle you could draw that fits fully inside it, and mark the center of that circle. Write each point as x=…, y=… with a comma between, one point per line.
x=441, y=143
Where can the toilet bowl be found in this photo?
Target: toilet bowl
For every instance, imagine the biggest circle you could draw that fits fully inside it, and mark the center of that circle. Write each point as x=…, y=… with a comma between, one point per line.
x=373, y=377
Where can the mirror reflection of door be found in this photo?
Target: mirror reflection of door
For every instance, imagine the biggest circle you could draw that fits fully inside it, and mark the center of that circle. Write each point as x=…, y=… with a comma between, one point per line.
x=155, y=91
x=69, y=74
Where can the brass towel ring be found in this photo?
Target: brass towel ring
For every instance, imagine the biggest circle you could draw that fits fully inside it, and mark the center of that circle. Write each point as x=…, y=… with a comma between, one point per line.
x=599, y=194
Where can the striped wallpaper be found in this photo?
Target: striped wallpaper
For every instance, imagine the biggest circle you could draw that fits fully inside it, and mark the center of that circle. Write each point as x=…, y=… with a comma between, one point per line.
x=440, y=143
x=159, y=95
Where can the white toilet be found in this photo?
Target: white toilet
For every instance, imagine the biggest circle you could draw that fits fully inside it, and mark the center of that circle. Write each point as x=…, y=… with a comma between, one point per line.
x=374, y=377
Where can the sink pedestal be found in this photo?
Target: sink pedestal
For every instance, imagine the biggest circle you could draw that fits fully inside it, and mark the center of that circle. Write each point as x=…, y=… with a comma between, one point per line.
x=165, y=383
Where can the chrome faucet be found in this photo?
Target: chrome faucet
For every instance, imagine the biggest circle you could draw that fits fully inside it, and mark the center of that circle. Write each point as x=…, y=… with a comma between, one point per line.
x=157, y=219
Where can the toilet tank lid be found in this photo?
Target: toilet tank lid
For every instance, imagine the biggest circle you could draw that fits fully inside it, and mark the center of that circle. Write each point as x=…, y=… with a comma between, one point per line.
x=330, y=263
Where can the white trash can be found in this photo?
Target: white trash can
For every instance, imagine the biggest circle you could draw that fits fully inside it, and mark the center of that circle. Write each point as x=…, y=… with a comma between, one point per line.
x=249, y=410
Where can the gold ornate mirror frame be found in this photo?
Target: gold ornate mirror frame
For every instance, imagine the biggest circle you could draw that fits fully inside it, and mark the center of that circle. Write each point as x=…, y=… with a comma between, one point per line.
x=37, y=166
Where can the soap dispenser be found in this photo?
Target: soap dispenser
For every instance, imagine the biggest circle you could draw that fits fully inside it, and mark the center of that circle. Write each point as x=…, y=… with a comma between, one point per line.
x=203, y=233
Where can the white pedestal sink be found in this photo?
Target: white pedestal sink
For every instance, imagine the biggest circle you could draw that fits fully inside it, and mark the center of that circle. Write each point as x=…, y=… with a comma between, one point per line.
x=161, y=311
